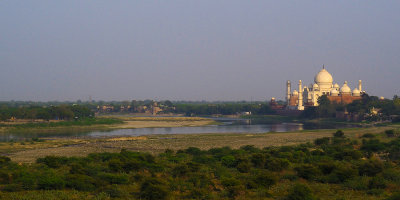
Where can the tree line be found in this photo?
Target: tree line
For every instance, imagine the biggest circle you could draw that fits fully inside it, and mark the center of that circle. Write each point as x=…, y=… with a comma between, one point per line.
x=327, y=109
x=60, y=112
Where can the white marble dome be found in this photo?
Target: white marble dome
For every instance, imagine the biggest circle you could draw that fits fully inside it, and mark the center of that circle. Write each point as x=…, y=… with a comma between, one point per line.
x=356, y=92
x=334, y=92
x=336, y=86
x=323, y=77
x=345, y=89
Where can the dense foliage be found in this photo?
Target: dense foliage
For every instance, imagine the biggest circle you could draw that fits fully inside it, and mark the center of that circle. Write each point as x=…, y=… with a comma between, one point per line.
x=223, y=108
x=61, y=112
x=370, y=166
x=363, y=107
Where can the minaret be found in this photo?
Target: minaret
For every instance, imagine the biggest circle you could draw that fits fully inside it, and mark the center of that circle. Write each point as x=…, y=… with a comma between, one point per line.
x=300, y=99
x=359, y=85
x=287, y=92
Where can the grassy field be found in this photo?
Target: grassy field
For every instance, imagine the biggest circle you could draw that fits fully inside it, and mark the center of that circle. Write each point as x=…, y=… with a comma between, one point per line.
x=30, y=151
x=104, y=123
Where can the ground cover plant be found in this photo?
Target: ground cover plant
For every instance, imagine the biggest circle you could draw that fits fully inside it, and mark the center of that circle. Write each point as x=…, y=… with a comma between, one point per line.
x=330, y=168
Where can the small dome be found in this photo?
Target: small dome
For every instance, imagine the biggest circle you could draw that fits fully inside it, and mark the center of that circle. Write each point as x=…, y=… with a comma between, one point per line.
x=356, y=92
x=315, y=86
x=345, y=89
x=334, y=92
x=381, y=98
x=336, y=86
x=295, y=93
x=323, y=76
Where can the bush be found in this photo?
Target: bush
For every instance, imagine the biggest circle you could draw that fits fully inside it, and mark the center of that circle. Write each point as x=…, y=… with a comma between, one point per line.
x=232, y=186
x=338, y=133
x=114, y=191
x=395, y=196
x=344, y=172
x=368, y=135
x=377, y=183
x=243, y=167
x=307, y=171
x=358, y=183
x=371, y=167
x=153, y=189
x=390, y=133
x=4, y=159
x=265, y=179
x=180, y=170
x=50, y=181
x=322, y=141
x=276, y=164
x=300, y=192
x=80, y=182
x=228, y=161
x=53, y=161
x=258, y=159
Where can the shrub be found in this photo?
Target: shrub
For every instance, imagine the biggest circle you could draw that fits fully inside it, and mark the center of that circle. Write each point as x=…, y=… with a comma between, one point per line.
x=371, y=167
x=265, y=179
x=338, y=133
x=153, y=189
x=12, y=187
x=113, y=178
x=395, y=196
x=276, y=164
x=53, y=161
x=372, y=145
x=232, y=186
x=80, y=182
x=243, y=167
x=390, y=133
x=307, y=171
x=4, y=159
x=114, y=191
x=258, y=159
x=228, y=161
x=180, y=170
x=300, y=192
x=50, y=181
x=322, y=141
x=368, y=135
x=326, y=167
x=377, y=183
x=357, y=183
x=344, y=172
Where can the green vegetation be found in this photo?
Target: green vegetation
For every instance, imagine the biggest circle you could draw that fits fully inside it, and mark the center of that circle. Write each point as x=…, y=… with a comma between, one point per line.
x=62, y=112
x=331, y=168
x=389, y=109
x=82, y=122
x=223, y=108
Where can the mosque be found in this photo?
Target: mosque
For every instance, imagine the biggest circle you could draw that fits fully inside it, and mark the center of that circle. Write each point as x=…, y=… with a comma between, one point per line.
x=323, y=85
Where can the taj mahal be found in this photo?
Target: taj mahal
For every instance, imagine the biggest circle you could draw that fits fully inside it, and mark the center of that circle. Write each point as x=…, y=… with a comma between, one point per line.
x=323, y=85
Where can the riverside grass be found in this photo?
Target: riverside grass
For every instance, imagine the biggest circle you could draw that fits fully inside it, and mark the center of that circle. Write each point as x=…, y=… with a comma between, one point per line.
x=105, y=123
x=156, y=144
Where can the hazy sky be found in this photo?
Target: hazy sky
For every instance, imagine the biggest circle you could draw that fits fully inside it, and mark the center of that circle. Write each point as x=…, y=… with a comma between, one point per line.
x=193, y=50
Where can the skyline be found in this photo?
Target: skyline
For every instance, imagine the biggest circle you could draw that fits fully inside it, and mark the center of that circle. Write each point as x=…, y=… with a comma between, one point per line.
x=178, y=50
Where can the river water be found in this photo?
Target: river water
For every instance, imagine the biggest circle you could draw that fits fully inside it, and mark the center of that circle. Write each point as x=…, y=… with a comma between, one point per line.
x=227, y=126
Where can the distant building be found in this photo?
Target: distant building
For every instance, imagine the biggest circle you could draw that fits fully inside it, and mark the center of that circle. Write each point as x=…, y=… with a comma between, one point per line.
x=323, y=85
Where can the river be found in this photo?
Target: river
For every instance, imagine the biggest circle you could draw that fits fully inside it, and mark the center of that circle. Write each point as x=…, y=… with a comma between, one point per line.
x=227, y=126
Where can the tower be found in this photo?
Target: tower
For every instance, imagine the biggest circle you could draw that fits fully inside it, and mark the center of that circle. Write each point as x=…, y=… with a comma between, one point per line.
x=287, y=92
x=359, y=86
x=300, y=99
